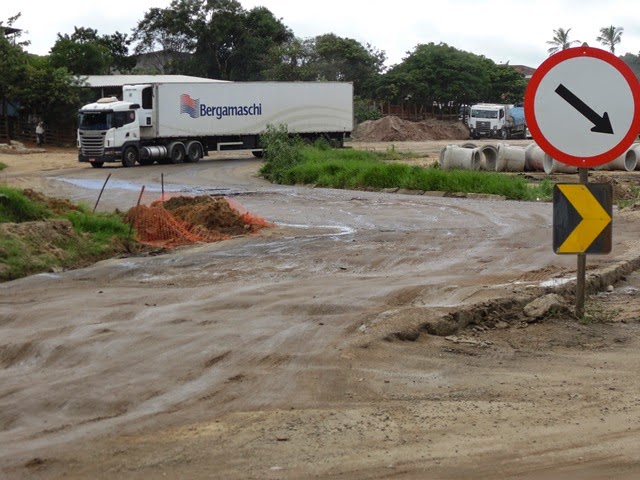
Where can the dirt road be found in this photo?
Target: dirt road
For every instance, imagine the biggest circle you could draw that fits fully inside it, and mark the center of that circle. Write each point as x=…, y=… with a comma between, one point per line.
x=304, y=352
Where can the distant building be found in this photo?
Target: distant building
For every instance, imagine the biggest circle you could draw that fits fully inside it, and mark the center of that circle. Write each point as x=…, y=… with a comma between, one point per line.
x=524, y=70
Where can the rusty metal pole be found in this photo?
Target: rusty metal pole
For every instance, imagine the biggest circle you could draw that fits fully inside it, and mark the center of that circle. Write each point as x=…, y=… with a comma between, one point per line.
x=100, y=195
x=582, y=261
x=136, y=212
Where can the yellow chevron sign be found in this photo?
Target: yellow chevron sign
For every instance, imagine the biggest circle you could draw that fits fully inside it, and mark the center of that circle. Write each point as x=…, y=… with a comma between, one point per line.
x=582, y=218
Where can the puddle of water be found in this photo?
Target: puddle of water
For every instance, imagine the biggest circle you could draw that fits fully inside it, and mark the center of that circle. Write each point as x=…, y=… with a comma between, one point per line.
x=92, y=184
x=557, y=282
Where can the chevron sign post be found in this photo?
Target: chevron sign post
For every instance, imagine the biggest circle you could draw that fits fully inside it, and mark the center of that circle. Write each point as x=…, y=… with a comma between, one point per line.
x=582, y=107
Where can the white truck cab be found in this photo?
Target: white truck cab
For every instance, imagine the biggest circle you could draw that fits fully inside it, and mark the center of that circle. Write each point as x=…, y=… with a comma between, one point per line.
x=494, y=120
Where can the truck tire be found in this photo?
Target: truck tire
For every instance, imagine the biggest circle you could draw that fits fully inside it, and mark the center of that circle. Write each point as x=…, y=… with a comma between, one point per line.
x=130, y=157
x=177, y=152
x=504, y=134
x=194, y=152
x=258, y=153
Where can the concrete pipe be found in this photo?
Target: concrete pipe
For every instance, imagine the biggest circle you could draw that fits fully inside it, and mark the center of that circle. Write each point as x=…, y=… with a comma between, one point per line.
x=627, y=161
x=455, y=157
x=510, y=158
x=534, y=158
x=551, y=165
x=636, y=148
x=490, y=154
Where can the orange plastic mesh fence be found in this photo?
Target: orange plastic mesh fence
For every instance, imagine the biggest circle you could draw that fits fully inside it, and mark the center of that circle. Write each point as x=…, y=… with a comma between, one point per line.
x=190, y=220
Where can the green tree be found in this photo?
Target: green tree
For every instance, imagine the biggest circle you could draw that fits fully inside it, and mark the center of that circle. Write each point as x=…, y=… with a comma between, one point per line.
x=506, y=84
x=633, y=61
x=13, y=62
x=291, y=61
x=222, y=39
x=80, y=53
x=50, y=92
x=118, y=46
x=84, y=52
x=345, y=59
x=443, y=75
x=438, y=73
x=610, y=37
x=34, y=85
x=329, y=58
x=560, y=41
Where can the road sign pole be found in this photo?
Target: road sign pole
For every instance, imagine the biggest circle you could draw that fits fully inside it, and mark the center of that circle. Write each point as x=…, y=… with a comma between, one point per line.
x=582, y=107
x=582, y=261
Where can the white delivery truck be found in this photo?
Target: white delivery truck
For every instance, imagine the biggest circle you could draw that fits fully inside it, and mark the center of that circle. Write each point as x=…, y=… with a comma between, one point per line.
x=182, y=122
x=497, y=121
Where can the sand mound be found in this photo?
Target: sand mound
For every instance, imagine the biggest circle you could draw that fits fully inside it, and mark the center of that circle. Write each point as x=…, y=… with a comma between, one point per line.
x=394, y=129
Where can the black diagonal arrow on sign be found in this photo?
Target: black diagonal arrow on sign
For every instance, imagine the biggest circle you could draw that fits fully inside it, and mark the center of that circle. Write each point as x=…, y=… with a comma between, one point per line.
x=602, y=124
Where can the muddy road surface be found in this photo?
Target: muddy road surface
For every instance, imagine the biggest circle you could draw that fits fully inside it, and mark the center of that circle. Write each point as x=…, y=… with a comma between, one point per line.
x=304, y=352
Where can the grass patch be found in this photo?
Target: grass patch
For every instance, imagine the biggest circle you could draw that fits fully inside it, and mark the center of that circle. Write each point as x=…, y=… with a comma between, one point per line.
x=38, y=234
x=595, y=311
x=16, y=207
x=356, y=169
x=634, y=198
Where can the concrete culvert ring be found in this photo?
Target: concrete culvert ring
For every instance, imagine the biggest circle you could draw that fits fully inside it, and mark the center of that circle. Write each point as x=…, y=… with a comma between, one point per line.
x=469, y=145
x=490, y=157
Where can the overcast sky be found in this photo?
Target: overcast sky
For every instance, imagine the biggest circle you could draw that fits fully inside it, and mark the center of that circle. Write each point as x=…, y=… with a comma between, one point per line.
x=502, y=30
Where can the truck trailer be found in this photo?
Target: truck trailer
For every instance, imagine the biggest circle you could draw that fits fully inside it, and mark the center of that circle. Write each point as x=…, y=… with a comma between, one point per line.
x=497, y=121
x=183, y=122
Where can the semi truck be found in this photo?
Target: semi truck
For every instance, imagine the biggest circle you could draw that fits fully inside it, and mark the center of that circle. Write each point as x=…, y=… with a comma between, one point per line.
x=494, y=120
x=183, y=122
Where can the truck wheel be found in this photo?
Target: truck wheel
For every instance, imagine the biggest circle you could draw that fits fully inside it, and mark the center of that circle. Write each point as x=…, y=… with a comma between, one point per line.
x=194, y=152
x=504, y=134
x=176, y=152
x=130, y=157
x=97, y=164
x=258, y=153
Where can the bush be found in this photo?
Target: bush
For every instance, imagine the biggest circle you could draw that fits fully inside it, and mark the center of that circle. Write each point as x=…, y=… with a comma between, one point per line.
x=281, y=152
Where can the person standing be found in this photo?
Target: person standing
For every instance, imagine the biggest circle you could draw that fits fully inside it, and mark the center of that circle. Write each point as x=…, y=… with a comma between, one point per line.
x=40, y=133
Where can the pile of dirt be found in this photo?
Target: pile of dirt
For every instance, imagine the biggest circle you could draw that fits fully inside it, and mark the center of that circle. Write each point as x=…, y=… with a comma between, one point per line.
x=394, y=129
x=57, y=205
x=185, y=220
x=209, y=213
x=620, y=191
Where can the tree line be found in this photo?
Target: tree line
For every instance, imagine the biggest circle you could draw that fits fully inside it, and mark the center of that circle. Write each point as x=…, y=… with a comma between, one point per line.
x=220, y=39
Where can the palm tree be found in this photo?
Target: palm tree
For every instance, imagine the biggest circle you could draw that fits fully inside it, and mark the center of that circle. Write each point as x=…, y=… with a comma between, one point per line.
x=560, y=41
x=610, y=37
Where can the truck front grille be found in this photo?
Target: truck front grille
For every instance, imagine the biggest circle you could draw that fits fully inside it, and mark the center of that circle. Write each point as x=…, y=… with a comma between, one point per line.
x=484, y=127
x=92, y=143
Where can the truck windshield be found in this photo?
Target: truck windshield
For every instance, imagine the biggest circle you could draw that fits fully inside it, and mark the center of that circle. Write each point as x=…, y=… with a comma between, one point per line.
x=95, y=120
x=484, y=113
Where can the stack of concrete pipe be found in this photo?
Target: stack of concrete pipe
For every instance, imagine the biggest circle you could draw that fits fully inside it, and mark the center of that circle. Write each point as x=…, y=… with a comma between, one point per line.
x=627, y=161
x=453, y=157
x=508, y=158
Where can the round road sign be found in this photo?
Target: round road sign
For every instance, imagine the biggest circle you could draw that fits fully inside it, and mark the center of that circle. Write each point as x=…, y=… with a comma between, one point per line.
x=582, y=106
